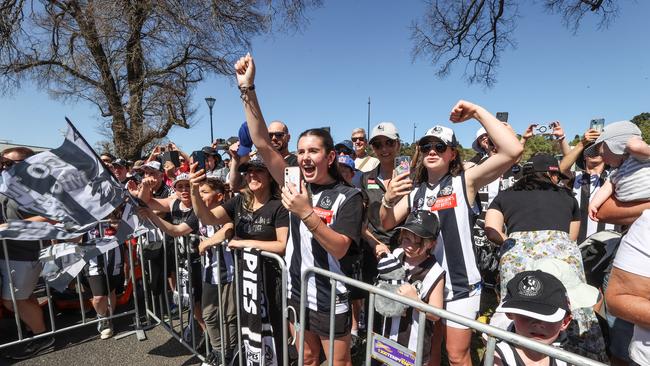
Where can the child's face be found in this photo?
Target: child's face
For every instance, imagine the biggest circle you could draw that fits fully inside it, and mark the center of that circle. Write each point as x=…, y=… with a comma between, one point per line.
x=415, y=246
x=609, y=157
x=538, y=330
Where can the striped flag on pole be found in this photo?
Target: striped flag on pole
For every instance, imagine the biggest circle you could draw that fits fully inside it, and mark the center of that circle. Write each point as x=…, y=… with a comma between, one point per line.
x=68, y=184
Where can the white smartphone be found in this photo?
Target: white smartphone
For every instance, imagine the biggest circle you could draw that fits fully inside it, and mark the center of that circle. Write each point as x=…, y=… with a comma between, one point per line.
x=292, y=174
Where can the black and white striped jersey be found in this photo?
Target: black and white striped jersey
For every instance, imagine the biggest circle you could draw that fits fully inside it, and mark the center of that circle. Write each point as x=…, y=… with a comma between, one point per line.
x=455, y=252
x=585, y=186
x=224, y=269
x=111, y=262
x=404, y=330
x=509, y=356
x=340, y=207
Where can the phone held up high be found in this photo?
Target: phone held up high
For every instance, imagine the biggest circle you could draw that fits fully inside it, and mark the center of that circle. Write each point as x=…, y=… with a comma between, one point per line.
x=597, y=124
x=502, y=116
x=199, y=157
x=402, y=165
x=292, y=175
x=543, y=129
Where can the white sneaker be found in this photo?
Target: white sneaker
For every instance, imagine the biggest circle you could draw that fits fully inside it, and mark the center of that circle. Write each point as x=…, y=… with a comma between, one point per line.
x=105, y=329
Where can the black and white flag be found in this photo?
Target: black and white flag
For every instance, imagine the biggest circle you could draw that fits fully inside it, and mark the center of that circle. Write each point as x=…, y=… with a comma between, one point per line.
x=67, y=184
x=36, y=230
x=257, y=333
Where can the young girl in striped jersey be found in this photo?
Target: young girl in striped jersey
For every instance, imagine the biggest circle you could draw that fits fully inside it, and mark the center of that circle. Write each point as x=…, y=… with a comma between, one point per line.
x=425, y=279
x=441, y=186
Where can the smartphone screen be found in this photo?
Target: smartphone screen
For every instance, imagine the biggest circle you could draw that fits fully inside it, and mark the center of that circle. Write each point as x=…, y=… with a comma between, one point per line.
x=292, y=175
x=597, y=124
x=402, y=165
x=199, y=157
x=502, y=116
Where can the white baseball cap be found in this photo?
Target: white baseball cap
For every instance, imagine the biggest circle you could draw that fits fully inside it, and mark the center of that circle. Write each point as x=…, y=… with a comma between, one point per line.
x=385, y=129
x=580, y=294
x=443, y=133
x=475, y=145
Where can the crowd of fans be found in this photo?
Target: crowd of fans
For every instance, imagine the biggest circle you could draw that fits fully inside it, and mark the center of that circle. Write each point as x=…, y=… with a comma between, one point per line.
x=492, y=230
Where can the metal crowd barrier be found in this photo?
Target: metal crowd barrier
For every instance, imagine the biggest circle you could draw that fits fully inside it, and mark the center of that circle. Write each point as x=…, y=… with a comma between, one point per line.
x=79, y=288
x=165, y=317
x=493, y=333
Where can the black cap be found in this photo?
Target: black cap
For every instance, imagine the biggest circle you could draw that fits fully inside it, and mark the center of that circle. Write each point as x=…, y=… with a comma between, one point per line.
x=208, y=150
x=255, y=162
x=541, y=163
x=536, y=294
x=424, y=224
x=120, y=162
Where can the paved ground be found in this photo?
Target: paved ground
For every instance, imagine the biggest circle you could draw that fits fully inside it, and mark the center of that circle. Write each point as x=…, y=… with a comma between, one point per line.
x=82, y=346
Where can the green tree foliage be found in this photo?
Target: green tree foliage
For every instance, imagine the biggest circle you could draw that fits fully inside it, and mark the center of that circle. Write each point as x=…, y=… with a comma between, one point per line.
x=643, y=121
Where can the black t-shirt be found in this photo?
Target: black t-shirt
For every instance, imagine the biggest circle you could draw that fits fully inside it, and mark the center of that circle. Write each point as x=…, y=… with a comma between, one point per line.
x=537, y=209
x=17, y=250
x=259, y=224
x=374, y=189
x=349, y=216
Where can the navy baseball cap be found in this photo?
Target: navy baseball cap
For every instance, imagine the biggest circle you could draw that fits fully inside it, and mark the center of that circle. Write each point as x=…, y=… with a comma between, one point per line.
x=245, y=141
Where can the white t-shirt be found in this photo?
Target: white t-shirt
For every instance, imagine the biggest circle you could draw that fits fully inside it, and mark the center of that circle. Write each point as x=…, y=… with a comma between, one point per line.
x=370, y=163
x=634, y=256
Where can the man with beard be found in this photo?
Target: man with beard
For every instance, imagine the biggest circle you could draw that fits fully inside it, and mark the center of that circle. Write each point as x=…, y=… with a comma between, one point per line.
x=279, y=134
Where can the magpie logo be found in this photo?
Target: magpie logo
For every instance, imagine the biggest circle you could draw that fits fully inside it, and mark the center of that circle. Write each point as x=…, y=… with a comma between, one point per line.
x=530, y=286
x=326, y=203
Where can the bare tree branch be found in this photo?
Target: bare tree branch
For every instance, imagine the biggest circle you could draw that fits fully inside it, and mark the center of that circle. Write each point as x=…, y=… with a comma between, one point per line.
x=478, y=32
x=138, y=61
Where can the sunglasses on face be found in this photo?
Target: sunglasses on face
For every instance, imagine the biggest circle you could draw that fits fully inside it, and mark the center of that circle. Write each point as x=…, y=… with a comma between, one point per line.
x=379, y=144
x=6, y=164
x=277, y=135
x=355, y=139
x=439, y=146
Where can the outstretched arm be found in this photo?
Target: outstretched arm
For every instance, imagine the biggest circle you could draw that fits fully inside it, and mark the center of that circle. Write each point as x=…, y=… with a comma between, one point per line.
x=599, y=198
x=574, y=154
x=245, y=71
x=616, y=212
x=505, y=141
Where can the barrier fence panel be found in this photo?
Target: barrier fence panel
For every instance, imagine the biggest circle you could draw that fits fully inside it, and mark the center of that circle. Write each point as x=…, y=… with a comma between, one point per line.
x=131, y=287
x=185, y=331
x=492, y=333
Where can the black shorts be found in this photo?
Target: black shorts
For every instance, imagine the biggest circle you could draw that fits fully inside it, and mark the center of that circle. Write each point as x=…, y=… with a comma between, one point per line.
x=99, y=286
x=318, y=322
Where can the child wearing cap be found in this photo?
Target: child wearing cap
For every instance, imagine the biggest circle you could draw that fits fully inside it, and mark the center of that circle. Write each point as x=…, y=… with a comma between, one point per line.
x=425, y=280
x=538, y=304
x=622, y=147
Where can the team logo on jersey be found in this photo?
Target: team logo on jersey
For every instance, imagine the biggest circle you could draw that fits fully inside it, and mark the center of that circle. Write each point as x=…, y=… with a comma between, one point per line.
x=420, y=202
x=326, y=203
x=431, y=200
x=530, y=286
x=445, y=191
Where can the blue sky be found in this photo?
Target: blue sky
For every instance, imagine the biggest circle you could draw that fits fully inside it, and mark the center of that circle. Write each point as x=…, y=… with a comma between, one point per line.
x=323, y=76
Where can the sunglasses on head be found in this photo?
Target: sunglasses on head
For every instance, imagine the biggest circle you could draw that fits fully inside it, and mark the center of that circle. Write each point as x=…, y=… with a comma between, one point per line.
x=278, y=135
x=439, y=146
x=379, y=144
x=355, y=139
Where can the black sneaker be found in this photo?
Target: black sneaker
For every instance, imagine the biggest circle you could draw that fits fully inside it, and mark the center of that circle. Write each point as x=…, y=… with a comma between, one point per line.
x=356, y=345
x=32, y=348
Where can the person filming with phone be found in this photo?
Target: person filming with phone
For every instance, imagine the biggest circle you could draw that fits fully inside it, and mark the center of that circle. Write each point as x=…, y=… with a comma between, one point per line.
x=324, y=221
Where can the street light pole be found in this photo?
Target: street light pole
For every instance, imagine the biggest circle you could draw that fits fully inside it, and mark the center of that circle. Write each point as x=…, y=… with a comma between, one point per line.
x=414, y=126
x=210, y=102
x=368, y=130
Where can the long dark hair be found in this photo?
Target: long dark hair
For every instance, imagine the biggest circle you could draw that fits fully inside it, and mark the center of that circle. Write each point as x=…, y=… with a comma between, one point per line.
x=328, y=144
x=421, y=174
x=538, y=181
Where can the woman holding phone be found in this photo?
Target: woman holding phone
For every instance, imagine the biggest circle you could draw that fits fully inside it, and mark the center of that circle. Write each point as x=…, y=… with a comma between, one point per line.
x=324, y=221
x=442, y=186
